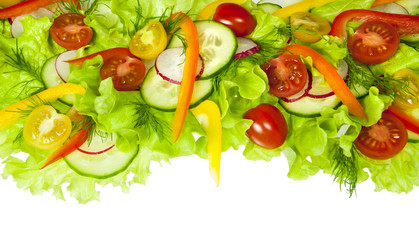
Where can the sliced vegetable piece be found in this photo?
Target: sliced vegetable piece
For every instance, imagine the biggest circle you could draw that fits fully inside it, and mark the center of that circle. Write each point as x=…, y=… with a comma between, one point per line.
x=336, y=83
x=405, y=24
x=302, y=6
x=149, y=41
x=382, y=140
x=407, y=100
x=70, y=32
x=381, y=2
x=189, y=73
x=61, y=64
x=45, y=128
x=391, y=8
x=409, y=121
x=12, y=113
x=106, y=55
x=246, y=47
x=208, y=11
x=208, y=115
x=309, y=27
x=268, y=7
x=24, y=7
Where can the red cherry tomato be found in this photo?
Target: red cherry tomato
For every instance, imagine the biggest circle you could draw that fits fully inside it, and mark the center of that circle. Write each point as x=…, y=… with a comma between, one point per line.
x=70, y=32
x=269, y=129
x=374, y=42
x=236, y=17
x=127, y=72
x=287, y=75
x=384, y=139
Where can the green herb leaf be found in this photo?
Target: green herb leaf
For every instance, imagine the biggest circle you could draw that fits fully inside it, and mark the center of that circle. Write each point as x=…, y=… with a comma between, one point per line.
x=345, y=170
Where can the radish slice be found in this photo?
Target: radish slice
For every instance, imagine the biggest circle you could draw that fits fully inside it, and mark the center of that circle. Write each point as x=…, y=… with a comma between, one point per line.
x=17, y=27
x=170, y=64
x=304, y=92
x=246, y=47
x=10, y=21
x=321, y=89
x=391, y=8
x=62, y=67
x=98, y=145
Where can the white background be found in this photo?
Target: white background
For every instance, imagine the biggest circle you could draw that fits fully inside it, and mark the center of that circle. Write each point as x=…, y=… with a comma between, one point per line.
x=255, y=200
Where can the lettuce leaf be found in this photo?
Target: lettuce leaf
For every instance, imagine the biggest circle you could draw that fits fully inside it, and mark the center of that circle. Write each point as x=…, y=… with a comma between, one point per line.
x=332, y=9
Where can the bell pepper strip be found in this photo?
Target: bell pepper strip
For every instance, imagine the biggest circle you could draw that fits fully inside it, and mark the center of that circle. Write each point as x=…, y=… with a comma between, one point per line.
x=11, y=114
x=336, y=83
x=208, y=115
x=381, y=2
x=106, y=55
x=410, y=122
x=404, y=24
x=70, y=146
x=189, y=73
x=302, y=6
x=208, y=11
x=24, y=7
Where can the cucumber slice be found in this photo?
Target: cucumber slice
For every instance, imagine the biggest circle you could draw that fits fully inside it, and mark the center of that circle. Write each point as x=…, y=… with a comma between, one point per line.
x=51, y=79
x=217, y=46
x=412, y=6
x=412, y=137
x=163, y=95
x=308, y=106
x=103, y=165
x=269, y=7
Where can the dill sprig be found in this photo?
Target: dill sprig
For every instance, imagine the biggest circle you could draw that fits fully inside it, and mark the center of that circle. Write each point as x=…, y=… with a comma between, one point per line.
x=18, y=137
x=140, y=21
x=146, y=119
x=84, y=7
x=34, y=102
x=88, y=123
x=363, y=75
x=345, y=170
x=18, y=61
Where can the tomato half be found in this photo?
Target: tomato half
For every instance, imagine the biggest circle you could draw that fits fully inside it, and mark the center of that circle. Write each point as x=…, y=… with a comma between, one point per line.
x=269, y=129
x=70, y=32
x=287, y=75
x=309, y=27
x=149, y=41
x=407, y=100
x=384, y=139
x=236, y=17
x=374, y=42
x=46, y=129
x=127, y=72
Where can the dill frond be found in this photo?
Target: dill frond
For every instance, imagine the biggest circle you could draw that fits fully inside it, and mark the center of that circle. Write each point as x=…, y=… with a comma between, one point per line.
x=18, y=137
x=146, y=119
x=87, y=123
x=77, y=7
x=345, y=170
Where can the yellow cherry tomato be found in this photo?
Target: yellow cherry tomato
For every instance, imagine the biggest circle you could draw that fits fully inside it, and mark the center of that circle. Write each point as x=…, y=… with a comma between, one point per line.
x=309, y=27
x=149, y=41
x=407, y=100
x=46, y=129
x=8, y=3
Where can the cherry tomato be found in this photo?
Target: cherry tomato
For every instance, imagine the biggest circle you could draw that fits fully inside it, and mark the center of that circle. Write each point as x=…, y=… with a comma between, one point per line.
x=374, y=42
x=384, y=139
x=46, y=129
x=236, y=17
x=269, y=129
x=149, y=41
x=8, y=3
x=287, y=75
x=407, y=100
x=309, y=27
x=70, y=32
x=127, y=73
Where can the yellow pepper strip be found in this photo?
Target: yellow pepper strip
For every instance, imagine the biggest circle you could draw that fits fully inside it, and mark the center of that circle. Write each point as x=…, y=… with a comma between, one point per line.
x=209, y=10
x=208, y=115
x=302, y=6
x=11, y=114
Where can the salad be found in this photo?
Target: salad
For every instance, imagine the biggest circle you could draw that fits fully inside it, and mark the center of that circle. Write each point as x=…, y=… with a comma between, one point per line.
x=94, y=90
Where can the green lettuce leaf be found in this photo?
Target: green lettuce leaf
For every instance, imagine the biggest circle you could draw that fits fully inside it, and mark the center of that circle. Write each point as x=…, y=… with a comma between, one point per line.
x=332, y=9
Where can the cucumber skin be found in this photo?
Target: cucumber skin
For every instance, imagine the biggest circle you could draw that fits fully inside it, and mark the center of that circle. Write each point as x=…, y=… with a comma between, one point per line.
x=104, y=176
x=221, y=69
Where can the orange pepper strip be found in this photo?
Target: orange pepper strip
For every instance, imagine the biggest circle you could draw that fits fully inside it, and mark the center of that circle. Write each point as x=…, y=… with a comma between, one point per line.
x=24, y=7
x=70, y=146
x=189, y=73
x=382, y=2
x=335, y=82
x=209, y=10
x=11, y=114
x=409, y=121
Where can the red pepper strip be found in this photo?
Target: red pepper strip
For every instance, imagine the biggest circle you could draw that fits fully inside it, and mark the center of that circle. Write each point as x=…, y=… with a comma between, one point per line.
x=75, y=142
x=106, y=55
x=336, y=83
x=24, y=7
x=189, y=73
x=410, y=122
x=381, y=2
x=405, y=24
